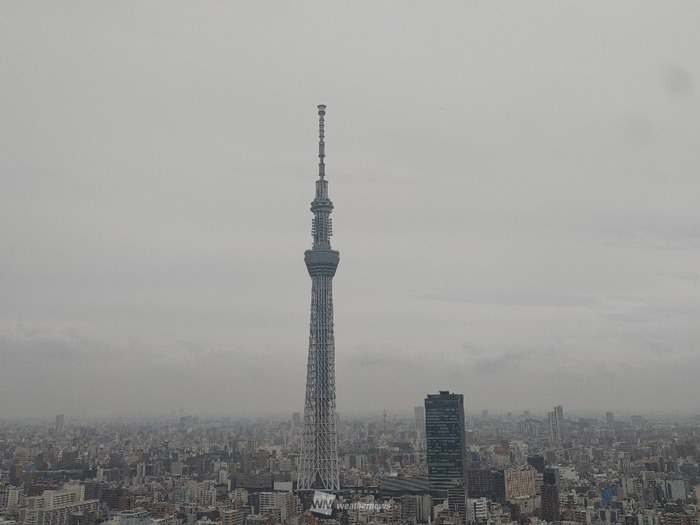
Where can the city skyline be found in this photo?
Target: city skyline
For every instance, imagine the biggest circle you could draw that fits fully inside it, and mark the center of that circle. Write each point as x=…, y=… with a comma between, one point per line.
x=517, y=188
x=241, y=472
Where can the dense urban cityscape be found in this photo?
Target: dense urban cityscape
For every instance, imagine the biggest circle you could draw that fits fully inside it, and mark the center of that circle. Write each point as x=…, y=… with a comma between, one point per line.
x=522, y=468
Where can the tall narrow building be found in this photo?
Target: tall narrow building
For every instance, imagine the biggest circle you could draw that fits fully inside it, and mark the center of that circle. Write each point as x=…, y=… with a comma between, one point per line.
x=445, y=435
x=557, y=431
x=419, y=416
x=550, y=495
x=318, y=462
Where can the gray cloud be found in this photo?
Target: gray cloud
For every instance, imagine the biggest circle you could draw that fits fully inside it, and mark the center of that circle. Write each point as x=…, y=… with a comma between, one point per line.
x=535, y=196
x=513, y=359
x=687, y=276
x=508, y=298
x=639, y=130
x=678, y=82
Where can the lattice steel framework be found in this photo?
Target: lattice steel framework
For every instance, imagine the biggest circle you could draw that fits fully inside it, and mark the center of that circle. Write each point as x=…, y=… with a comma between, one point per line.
x=318, y=463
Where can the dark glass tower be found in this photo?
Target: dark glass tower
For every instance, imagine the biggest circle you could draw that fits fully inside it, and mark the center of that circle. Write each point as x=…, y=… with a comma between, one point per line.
x=446, y=440
x=550, y=495
x=318, y=462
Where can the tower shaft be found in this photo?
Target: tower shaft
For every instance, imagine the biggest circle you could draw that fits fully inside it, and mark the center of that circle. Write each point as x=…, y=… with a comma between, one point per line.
x=318, y=462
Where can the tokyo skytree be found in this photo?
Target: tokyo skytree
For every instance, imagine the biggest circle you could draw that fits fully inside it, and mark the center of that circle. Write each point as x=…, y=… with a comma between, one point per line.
x=318, y=462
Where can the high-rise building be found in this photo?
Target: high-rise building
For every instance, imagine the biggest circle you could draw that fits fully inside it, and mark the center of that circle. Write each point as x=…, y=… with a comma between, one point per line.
x=278, y=504
x=519, y=482
x=624, y=462
x=610, y=420
x=9, y=497
x=416, y=508
x=536, y=461
x=419, y=417
x=486, y=483
x=556, y=426
x=628, y=486
x=59, y=423
x=446, y=440
x=550, y=503
x=318, y=461
x=550, y=495
x=457, y=500
x=477, y=510
x=670, y=490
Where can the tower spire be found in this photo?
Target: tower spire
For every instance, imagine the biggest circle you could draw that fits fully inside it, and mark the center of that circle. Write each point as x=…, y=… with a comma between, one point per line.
x=321, y=206
x=321, y=142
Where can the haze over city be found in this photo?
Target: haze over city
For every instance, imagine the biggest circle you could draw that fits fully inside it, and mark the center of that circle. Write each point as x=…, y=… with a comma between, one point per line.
x=515, y=191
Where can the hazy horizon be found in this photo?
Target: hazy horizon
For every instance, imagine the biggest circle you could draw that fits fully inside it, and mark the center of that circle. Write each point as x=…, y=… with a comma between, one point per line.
x=515, y=187
x=48, y=420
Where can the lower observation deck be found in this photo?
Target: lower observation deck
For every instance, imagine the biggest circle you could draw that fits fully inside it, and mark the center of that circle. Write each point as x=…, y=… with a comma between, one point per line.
x=321, y=262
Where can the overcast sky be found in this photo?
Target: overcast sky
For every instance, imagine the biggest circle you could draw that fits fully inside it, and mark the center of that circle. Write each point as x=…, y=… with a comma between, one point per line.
x=516, y=190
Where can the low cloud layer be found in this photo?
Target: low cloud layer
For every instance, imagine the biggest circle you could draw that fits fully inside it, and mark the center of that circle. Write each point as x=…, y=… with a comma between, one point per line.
x=515, y=197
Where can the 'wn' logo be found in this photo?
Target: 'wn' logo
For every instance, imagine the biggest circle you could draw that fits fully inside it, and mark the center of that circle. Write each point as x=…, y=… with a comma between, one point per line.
x=323, y=503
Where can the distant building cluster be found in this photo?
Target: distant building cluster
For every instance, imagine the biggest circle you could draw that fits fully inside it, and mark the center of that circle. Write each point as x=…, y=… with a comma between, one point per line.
x=435, y=466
